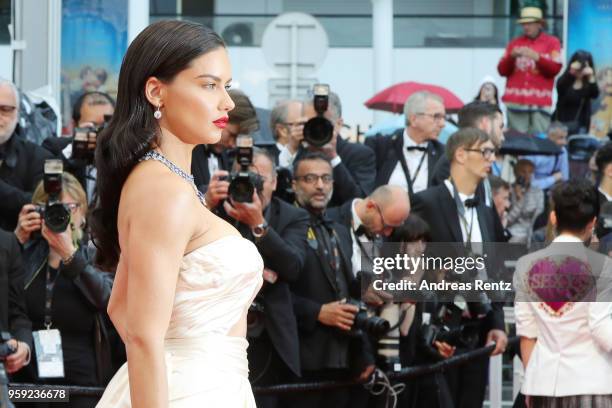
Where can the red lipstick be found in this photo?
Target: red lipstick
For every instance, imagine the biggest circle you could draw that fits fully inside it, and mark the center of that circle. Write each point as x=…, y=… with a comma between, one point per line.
x=221, y=122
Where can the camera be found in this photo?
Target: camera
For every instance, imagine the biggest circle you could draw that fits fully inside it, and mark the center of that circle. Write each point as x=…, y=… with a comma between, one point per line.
x=244, y=182
x=318, y=131
x=55, y=213
x=5, y=348
x=84, y=141
x=446, y=325
x=256, y=318
x=371, y=325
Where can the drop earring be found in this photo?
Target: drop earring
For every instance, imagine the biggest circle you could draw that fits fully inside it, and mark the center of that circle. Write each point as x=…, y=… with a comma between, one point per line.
x=157, y=115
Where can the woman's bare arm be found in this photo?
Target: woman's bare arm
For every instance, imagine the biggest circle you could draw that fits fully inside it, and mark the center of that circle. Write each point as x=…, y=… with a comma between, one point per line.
x=158, y=232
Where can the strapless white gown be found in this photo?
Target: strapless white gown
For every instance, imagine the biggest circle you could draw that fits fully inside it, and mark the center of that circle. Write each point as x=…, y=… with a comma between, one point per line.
x=205, y=366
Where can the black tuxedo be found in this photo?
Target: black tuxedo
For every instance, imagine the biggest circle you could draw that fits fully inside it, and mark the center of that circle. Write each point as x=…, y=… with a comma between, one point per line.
x=342, y=214
x=438, y=208
x=13, y=313
x=355, y=175
x=199, y=166
x=389, y=151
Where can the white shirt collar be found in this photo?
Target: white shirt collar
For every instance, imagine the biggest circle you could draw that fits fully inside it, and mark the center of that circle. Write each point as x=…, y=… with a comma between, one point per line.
x=279, y=146
x=567, y=238
x=408, y=141
x=355, y=218
x=462, y=196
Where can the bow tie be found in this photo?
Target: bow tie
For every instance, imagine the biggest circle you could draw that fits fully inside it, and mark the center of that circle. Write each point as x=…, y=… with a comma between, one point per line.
x=471, y=202
x=419, y=148
x=363, y=232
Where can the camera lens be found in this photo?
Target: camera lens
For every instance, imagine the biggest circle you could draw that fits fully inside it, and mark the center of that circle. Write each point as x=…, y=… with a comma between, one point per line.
x=318, y=131
x=241, y=189
x=57, y=217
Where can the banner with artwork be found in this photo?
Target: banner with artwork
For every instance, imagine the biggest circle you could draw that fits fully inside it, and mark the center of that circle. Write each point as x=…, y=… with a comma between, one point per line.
x=589, y=27
x=94, y=40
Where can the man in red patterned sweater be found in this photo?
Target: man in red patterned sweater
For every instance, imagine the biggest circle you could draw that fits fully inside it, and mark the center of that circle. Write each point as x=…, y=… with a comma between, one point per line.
x=530, y=63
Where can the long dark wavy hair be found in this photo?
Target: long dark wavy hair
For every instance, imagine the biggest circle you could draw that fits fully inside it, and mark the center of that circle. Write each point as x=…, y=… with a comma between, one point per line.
x=162, y=50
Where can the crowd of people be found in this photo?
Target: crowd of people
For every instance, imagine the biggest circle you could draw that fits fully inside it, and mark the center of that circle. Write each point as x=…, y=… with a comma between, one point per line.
x=313, y=215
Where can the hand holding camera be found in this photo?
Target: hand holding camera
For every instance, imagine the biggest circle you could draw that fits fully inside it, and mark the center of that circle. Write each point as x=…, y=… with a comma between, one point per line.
x=59, y=242
x=29, y=221
x=338, y=314
x=218, y=188
x=249, y=213
x=16, y=357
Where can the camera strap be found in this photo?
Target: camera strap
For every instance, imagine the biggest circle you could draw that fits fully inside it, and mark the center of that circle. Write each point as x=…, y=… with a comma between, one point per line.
x=49, y=285
x=411, y=179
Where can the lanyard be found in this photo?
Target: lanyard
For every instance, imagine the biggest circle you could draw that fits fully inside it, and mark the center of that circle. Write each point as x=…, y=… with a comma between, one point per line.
x=49, y=285
x=410, y=180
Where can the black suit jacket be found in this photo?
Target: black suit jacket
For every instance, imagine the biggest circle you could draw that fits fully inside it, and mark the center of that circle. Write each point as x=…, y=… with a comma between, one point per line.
x=354, y=177
x=21, y=169
x=389, y=151
x=199, y=166
x=437, y=207
x=343, y=215
x=283, y=250
x=315, y=287
x=13, y=314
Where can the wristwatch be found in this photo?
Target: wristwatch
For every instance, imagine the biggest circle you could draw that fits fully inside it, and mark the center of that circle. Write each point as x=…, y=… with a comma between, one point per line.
x=260, y=230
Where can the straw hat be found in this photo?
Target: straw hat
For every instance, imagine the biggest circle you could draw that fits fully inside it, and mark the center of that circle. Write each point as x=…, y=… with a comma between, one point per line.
x=530, y=15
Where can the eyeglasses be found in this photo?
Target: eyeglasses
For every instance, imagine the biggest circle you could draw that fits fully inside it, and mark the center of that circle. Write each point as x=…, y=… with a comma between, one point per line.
x=294, y=124
x=311, y=178
x=435, y=116
x=486, y=152
x=7, y=109
x=382, y=218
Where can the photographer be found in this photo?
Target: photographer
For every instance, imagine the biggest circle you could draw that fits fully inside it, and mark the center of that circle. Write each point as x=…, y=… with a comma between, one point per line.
x=209, y=163
x=331, y=347
x=454, y=213
x=527, y=202
x=63, y=290
x=278, y=230
x=415, y=347
x=90, y=113
x=13, y=314
x=354, y=164
x=576, y=89
x=21, y=161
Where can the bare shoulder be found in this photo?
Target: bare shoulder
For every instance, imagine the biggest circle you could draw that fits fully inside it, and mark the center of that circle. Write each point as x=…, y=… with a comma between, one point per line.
x=159, y=202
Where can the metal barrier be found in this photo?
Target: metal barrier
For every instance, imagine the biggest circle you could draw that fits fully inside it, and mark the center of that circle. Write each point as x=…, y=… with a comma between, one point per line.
x=404, y=374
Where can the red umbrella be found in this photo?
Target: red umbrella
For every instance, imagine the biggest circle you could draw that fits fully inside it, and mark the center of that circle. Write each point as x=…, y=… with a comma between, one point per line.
x=393, y=98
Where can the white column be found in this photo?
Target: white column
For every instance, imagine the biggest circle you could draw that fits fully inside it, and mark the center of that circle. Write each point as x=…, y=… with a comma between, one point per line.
x=382, y=48
x=138, y=17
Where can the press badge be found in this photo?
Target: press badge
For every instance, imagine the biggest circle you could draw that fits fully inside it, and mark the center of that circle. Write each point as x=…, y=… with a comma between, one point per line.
x=49, y=356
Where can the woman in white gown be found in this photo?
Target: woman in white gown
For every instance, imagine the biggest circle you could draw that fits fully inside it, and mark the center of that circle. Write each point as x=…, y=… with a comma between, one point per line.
x=185, y=278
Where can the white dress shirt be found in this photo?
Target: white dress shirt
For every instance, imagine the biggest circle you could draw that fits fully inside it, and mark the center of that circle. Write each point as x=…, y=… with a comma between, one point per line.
x=413, y=158
x=356, y=258
x=573, y=351
x=470, y=218
x=213, y=164
x=285, y=157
